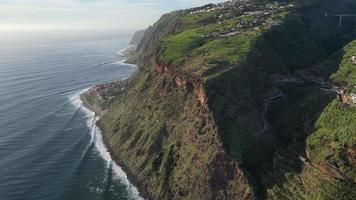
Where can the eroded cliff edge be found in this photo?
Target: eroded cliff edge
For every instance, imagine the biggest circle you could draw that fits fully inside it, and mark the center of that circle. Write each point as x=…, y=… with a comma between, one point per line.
x=206, y=116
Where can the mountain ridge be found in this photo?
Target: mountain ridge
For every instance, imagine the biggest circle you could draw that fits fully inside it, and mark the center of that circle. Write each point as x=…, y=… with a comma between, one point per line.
x=188, y=125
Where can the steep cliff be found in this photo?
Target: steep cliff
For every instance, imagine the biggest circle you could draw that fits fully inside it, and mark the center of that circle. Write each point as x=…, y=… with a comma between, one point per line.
x=232, y=102
x=137, y=37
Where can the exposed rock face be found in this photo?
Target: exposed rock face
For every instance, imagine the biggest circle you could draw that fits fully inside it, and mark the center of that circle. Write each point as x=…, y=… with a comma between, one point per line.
x=189, y=124
x=202, y=97
x=137, y=37
x=182, y=81
x=181, y=155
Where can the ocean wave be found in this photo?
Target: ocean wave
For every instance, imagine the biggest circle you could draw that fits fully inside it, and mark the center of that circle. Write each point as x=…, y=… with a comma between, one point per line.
x=120, y=62
x=123, y=62
x=107, y=63
x=121, y=52
x=97, y=140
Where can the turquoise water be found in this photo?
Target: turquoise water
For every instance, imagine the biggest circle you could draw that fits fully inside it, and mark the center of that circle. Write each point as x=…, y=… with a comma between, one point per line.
x=49, y=145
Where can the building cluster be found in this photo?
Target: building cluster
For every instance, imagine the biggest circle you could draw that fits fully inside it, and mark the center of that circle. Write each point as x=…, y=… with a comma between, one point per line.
x=247, y=16
x=208, y=9
x=108, y=91
x=214, y=7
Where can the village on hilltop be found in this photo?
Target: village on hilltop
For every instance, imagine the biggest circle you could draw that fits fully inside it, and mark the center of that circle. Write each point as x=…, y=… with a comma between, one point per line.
x=247, y=16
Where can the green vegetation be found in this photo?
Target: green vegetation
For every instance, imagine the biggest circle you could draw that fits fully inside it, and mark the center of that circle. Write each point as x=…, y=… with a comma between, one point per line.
x=178, y=47
x=330, y=146
x=232, y=49
x=346, y=74
x=198, y=19
x=335, y=138
x=307, y=183
x=155, y=129
x=198, y=131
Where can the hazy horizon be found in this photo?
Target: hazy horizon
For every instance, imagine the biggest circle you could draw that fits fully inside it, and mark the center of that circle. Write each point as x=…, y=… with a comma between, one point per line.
x=20, y=38
x=22, y=21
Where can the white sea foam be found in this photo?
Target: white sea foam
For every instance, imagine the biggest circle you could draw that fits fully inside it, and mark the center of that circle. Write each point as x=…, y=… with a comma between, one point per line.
x=121, y=53
x=123, y=62
x=97, y=139
x=120, y=174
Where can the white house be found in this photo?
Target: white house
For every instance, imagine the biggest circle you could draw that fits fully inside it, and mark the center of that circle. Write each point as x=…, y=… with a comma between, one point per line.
x=353, y=60
x=353, y=98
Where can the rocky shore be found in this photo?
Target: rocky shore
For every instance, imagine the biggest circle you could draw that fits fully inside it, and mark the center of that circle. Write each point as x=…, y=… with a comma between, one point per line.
x=99, y=112
x=129, y=51
x=130, y=175
x=97, y=99
x=104, y=93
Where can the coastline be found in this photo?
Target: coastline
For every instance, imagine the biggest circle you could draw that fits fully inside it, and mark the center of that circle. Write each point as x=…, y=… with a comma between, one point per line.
x=142, y=191
x=127, y=52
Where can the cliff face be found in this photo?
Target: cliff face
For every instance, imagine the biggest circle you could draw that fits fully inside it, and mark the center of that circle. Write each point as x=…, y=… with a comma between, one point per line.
x=166, y=138
x=206, y=116
x=137, y=37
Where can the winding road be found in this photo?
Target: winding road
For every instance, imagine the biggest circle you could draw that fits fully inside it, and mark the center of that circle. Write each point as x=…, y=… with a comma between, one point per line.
x=297, y=79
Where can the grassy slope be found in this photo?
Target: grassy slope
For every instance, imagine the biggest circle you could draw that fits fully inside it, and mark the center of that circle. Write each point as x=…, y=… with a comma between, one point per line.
x=246, y=60
x=173, y=146
x=194, y=54
x=330, y=173
x=284, y=47
x=346, y=75
x=335, y=138
x=169, y=143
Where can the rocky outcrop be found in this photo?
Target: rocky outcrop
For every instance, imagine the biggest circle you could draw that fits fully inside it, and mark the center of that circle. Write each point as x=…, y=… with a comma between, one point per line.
x=183, y=82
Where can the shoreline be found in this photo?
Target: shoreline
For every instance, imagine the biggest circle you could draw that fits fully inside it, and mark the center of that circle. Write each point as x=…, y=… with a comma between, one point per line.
x=127, y=52
x=142, y=191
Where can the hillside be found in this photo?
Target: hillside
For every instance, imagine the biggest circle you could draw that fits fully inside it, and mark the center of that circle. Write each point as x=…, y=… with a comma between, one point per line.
x=238, y=100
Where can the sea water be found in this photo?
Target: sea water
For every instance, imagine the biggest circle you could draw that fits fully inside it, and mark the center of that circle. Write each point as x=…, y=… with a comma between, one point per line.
x=50, y=147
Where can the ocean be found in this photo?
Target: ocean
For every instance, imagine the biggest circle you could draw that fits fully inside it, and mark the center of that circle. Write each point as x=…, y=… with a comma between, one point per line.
x=50, y=148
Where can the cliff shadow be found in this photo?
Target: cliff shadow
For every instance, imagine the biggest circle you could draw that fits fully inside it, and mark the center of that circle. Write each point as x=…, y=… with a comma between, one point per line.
x=302, y=42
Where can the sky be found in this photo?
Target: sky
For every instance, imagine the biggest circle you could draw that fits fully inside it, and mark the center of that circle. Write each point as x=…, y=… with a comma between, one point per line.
x=77, y=15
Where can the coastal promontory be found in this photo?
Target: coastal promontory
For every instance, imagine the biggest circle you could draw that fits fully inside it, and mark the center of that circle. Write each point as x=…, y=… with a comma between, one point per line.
x=239, y=100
